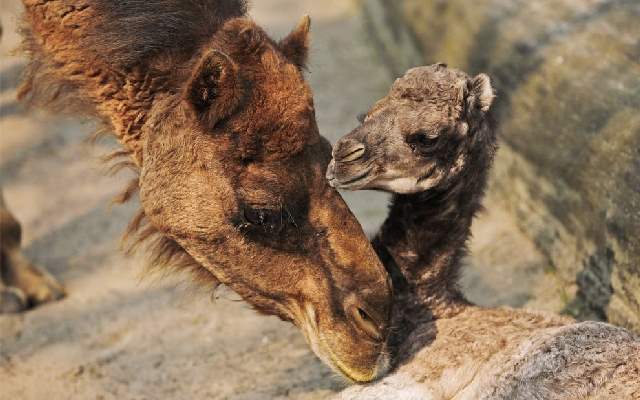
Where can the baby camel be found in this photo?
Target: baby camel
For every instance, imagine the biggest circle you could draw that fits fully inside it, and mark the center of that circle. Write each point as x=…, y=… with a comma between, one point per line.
x=431, y=141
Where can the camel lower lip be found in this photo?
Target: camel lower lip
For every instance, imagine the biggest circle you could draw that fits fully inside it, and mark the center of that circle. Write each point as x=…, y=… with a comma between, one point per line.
x=427, y=175
x=323, y=350
x=355, y=377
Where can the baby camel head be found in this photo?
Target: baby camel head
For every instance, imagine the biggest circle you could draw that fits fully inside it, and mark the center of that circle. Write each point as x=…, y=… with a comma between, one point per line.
x=421, y=136
x=233, y=171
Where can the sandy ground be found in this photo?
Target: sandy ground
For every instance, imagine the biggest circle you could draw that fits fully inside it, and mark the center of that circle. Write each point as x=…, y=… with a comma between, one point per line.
x=119, y=336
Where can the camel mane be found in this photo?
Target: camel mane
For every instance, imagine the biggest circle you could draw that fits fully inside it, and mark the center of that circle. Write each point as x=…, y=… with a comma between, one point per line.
x=132, y=35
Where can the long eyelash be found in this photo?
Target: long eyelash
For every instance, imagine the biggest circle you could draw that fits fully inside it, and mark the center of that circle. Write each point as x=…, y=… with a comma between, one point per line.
x=291, y=219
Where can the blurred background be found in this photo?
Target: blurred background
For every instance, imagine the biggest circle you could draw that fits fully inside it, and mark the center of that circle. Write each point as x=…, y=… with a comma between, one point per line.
x=561, y=231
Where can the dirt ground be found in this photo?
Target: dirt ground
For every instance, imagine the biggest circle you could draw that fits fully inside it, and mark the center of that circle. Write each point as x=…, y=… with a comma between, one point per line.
x=118, y=336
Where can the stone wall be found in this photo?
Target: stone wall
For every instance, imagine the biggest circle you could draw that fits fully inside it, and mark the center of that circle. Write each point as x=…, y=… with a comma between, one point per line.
x=568, y=79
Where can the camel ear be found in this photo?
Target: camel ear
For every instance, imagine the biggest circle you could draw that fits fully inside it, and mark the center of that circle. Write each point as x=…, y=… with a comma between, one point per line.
x=213, y=90
x=296, y=45
x=480, y=93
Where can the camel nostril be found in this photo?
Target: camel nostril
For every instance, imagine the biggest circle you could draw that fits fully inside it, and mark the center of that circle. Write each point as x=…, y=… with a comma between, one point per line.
x=364, y=315
x=365, y=323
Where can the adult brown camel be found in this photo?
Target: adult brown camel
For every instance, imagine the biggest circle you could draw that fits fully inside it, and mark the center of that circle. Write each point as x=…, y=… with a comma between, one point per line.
x=219, y=122
x=431, y=142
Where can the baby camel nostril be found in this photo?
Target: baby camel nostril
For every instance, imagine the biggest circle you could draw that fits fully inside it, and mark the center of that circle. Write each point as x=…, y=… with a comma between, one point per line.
x=350, y=153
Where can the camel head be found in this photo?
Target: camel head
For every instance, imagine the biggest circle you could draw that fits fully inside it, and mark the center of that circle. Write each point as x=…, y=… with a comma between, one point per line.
x=232, y=170
x=422, y=135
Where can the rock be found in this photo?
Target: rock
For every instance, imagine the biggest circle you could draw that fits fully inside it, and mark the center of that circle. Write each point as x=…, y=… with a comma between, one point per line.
x=568, y=80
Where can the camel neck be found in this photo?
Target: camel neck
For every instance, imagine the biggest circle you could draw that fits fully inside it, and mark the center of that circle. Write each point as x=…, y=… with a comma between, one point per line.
x=423, y=241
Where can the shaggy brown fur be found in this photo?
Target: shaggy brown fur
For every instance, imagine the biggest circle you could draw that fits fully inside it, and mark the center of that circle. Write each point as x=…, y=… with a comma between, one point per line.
x=220, y=124
x=432, y=139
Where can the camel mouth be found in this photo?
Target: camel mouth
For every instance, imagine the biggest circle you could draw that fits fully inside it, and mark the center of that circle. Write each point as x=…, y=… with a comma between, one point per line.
x=382, y=366
x=351, y=183
x=322, y=348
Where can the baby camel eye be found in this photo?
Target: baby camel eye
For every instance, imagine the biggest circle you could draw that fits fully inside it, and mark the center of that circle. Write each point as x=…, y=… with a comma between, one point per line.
x=421, y=142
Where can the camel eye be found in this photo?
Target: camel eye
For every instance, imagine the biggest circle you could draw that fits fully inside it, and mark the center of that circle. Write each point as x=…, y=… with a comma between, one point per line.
x=270, y=220
x=421, y=142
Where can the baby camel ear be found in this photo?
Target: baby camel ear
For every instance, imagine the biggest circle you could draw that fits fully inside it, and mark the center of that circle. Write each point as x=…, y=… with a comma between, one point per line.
x=213, y=90
x=296, y=45
x=480, y=93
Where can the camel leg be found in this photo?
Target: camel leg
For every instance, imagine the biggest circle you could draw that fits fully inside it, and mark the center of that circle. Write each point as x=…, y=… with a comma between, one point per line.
x=22, y=284
x=12, y=299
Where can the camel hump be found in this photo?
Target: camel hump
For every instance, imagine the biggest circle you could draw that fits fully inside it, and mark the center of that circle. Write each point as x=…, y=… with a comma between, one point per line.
x=582, y=360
